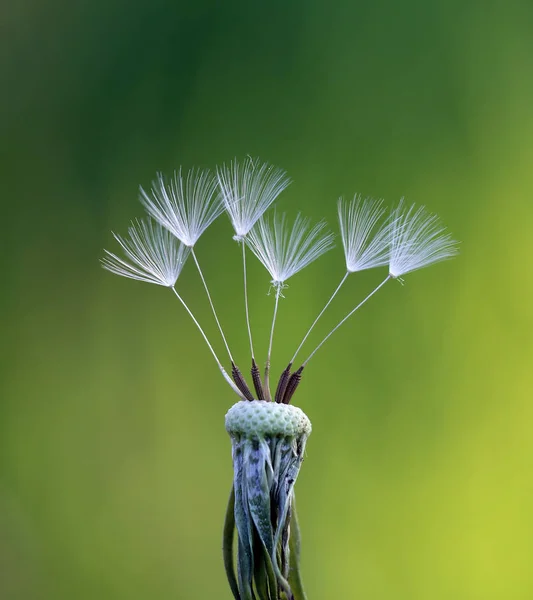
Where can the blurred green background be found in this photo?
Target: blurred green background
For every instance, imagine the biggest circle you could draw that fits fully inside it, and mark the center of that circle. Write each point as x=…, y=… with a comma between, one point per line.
x=114, y=463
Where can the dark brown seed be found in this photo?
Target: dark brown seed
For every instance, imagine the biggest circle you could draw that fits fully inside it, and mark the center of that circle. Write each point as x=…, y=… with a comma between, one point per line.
x=240, y=382
x=294, y=380
x=256, y=377
x=282, y=384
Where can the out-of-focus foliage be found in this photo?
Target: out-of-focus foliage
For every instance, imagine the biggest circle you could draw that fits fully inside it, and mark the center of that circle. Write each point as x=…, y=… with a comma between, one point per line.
x=114, y=463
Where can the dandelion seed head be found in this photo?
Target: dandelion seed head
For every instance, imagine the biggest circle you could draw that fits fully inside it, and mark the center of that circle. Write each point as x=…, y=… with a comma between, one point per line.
x=187, y=205
x=152, y=255
x=365, y=241
x=417, y=239
x=248, y=189
x=268, y=434
x=285, y=250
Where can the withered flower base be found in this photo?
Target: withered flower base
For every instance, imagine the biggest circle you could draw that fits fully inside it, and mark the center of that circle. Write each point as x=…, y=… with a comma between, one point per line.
x=268, y=444
x=268, y=435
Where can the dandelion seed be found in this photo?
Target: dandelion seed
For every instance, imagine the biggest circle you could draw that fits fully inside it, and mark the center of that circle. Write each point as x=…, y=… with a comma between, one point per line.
x=156, y=256
x=366, y=244
x=152, y=254
x=248, y=189
x=417, y=240
x=283, y=251
x=186, y=206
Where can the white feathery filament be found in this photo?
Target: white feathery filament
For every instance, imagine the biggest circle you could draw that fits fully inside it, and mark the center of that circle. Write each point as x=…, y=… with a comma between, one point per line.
x=285, y=251
x=153, y=255
x=186, y=206
x=365, y=242
x=417, y=240
x=248, y=190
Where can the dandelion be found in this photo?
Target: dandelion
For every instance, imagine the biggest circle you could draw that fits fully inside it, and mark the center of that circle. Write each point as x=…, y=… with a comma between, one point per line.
x=268, y=434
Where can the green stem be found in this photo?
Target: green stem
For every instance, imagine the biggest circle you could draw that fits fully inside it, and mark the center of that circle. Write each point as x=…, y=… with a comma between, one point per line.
x=295, y=578
x=227, y=545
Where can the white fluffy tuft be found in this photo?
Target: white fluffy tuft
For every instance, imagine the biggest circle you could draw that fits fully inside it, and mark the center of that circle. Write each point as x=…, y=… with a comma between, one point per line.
x=417, y=240
x=248, y=189
x=152, y=254
x=284, y=251
x=365, y=241
x=186, y=206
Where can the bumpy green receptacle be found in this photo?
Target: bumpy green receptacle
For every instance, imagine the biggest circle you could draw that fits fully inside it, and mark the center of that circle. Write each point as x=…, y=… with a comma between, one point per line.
x=260, y=418
x=268, y=442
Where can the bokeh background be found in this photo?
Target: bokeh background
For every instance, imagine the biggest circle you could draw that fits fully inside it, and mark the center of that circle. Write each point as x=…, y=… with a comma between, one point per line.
x=114, y=463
